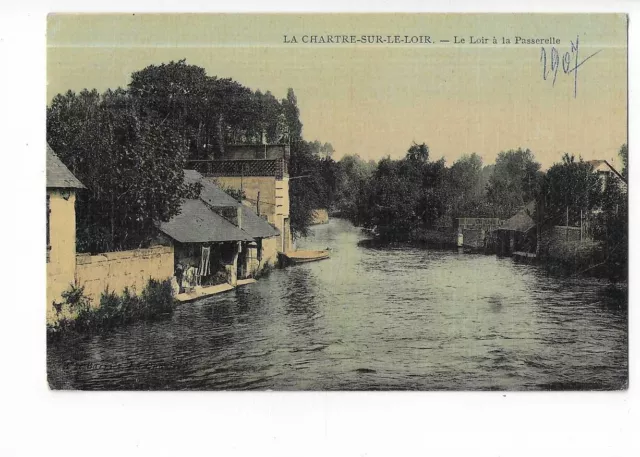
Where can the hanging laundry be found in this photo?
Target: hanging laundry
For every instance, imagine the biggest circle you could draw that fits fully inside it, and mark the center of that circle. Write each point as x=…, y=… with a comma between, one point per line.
x=205, y=266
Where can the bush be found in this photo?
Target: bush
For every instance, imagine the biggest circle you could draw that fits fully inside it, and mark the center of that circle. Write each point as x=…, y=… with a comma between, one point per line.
x=114, y=310
x=157, y=299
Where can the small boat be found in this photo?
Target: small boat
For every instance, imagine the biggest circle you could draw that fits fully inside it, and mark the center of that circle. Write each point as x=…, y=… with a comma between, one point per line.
x=304, y=256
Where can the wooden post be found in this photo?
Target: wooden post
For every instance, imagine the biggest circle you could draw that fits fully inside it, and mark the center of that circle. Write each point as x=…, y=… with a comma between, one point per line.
x=258, y=204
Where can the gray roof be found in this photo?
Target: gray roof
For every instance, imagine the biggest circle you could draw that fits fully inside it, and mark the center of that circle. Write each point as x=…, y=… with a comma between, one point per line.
x=212, y=194
x=197, y=223
x=521, y=221
x=256, y=226
x=59, y=176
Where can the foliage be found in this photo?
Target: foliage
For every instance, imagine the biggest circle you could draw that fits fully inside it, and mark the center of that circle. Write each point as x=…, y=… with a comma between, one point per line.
x=624, y=156
x=612, y=228
x=132, y=167
x=114, y=310
x=306, y=190
x=514, y=182
x=418, y=153
x=209, y=111
x=404, y=194
x=570, y=190
x=351, y=182
x=466, y=188
x=129, y=147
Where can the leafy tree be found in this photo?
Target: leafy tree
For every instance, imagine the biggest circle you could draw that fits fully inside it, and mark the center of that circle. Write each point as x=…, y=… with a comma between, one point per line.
x=514, y=182
x=570, y=189
x=418, y=152
x=624, y=156
x=466, y=188
x=207, y=111
x=131, y=166
x=292, y=116
x=405, y=194
x=351, y=187
x=311, y=185
x=612, y=228
x=172, y=112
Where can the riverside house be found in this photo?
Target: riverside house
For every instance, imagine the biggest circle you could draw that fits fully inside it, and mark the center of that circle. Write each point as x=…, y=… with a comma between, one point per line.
x=261, y=172
x=219, y=243
x=62, y=186
x=605, y=170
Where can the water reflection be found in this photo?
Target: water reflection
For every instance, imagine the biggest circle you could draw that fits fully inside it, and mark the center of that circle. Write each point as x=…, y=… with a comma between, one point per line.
x=370, y=317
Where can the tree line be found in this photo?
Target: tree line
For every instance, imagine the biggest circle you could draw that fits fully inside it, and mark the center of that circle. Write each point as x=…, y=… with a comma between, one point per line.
x=402, y=198
x=129, y=147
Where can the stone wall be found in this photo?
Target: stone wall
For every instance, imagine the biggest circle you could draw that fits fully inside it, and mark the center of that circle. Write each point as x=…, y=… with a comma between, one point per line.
x=116, y=270
x=559, y=235
x=477, y=223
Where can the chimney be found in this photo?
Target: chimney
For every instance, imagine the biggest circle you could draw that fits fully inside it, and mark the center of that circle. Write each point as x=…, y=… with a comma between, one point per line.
x=239, y=208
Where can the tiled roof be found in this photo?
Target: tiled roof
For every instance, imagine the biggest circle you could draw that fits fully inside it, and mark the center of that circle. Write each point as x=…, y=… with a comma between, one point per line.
x=59, y=176
x=197, y=223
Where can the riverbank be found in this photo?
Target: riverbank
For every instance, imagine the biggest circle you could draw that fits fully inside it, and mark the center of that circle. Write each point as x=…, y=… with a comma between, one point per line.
x=79, y=315
x=388, y=317
x=560, y=259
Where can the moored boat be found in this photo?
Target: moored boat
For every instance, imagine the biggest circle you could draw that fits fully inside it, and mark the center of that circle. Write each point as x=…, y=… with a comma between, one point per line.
x=304, y=256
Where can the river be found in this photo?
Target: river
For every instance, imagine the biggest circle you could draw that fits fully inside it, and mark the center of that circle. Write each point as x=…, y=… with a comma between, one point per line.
x=369, y=318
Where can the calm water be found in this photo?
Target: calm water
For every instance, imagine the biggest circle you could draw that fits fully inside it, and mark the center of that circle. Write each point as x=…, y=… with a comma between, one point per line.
x=392, y=318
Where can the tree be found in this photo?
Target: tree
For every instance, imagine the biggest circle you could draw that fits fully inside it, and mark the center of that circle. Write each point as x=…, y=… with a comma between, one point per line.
x=292, y=116
x=132, y=167
x=352, y=181
x=179, y=110
x=405, y=194
x=624, y=156
x=570, y=190
x=612, y=228
x=311, y=185
x=466, y=193
x=207, y=111
x=418, y=152
x=514, y=182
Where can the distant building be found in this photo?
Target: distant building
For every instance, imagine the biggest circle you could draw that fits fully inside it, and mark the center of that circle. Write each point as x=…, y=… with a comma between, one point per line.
x=261, y=172
x=605, y=170
x=62, y=186
x=517, y=233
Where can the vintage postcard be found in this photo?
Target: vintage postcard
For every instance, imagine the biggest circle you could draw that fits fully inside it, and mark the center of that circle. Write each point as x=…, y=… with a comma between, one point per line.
x=337, y=202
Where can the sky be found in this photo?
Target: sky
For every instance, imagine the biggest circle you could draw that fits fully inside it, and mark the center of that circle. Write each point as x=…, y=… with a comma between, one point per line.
x=376, y=99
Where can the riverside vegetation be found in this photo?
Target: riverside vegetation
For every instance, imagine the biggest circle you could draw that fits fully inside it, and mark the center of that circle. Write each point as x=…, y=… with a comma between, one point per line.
x=80, y=317
x=129, y=147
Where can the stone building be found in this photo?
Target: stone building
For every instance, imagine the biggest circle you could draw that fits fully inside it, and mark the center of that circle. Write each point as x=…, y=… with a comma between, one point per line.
x=261, y=172
x=61, y=229
x=217, y=237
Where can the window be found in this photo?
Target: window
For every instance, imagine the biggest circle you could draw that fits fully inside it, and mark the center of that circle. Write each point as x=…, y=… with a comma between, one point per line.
x=48, y=228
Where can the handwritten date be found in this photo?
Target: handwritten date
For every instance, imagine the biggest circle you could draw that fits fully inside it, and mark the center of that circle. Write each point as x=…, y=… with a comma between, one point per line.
x=569, y=62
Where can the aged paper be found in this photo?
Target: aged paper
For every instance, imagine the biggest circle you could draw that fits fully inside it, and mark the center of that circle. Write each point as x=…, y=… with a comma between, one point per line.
x=337, y=202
